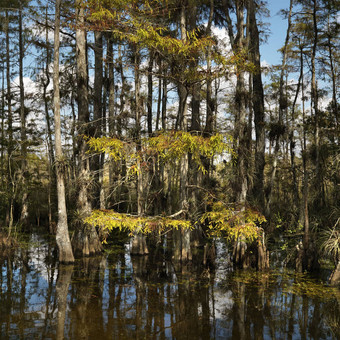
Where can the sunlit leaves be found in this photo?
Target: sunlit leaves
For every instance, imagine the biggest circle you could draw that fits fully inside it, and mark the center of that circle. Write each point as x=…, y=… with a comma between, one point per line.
x=113, y=147
x=231, y=223
x=221, y=222
x=139, y=23
x=174, y=145
x=169, y=147
x=109, y=220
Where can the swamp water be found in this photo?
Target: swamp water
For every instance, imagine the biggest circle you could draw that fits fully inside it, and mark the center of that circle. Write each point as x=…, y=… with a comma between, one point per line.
x=116, y=296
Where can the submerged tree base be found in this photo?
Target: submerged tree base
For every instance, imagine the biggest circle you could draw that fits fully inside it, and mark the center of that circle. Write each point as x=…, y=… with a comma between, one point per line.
x=85, y=241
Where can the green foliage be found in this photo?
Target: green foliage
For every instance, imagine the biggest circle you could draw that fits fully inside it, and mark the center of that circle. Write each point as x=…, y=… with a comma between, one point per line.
x=168, y=146
x=171, y=146
x=221, y=221
x=109, y=220
x=232, y=224
x=331, y=241
x=143, y=23
x=113, y=147
x=146, y=24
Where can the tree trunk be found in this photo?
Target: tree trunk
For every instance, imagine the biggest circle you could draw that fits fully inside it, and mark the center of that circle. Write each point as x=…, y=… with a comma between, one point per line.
x=10, y=207
x=150, y=89
x=305, y=212
x=334, y=85
x=97, y=163
x=85, y=240
x=184, y=234
x=292, y=143
x=335, y=276
x=3, y=98
x=283, y=102
x=164, y=102
x=111, y=106
x=315, y=104
x=62, y=235
x=23, y=175
x=258, y=107
x=240, y=135
x=138, y=243
x=45, y=84
x=159, y=101
x=209, y=124
x=83, y=113
x=110, y=65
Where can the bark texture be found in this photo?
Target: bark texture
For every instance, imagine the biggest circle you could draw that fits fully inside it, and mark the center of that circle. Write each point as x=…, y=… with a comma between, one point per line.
x=62, y=235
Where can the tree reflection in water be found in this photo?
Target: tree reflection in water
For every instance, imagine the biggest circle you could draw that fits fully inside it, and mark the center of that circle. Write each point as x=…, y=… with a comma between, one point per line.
x=62, y=286
x=117, y=296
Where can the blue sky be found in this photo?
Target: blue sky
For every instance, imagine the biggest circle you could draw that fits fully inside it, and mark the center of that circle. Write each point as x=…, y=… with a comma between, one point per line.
x=278, y=27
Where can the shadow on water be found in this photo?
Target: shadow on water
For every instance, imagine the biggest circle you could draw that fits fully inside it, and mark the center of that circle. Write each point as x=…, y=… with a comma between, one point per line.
x=116, y=296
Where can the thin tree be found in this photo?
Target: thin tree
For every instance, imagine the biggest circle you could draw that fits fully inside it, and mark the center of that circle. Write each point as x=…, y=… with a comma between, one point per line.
x=62, y=236
x=24, y=194
x=9, y=212
x=282, y=108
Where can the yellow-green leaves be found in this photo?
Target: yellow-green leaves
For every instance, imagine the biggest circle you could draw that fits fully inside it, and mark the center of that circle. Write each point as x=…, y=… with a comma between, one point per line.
x=113, y=147
x=221, y=222
x=230, y=223
x=168, y=146
x=109, y=220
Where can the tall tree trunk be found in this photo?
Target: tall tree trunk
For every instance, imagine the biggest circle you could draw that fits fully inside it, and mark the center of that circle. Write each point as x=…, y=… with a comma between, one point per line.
x=334, y=84
x=24, y=177
x=150, y=90
x=258, y=107
x=85, y=240
x=62, y=236
x=315, y=104
x=305, y=212
x=196, y=87
x=138, y=244
x=98, y=118
x=159, y=101
x=240, y=121
x=111, y=106
x=164, y=101
x=83, y=112
x=209, y=124
x=292, y=143
x=45, y=83
x=122, y=92
x=184, y=246
x=10, y=208
x=283, y=102
x=240, y=134
x=138, y=108
x=3, y=104
x=111, y=118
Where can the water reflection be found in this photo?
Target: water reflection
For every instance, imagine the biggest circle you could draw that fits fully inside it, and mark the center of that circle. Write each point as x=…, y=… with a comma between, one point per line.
x=116, y=296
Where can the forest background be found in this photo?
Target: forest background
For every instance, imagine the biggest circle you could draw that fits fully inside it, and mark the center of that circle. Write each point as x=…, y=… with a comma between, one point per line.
x=160, y=117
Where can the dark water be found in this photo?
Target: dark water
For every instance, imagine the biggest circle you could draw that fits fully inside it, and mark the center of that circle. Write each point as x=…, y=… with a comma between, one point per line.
x=118, y=297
